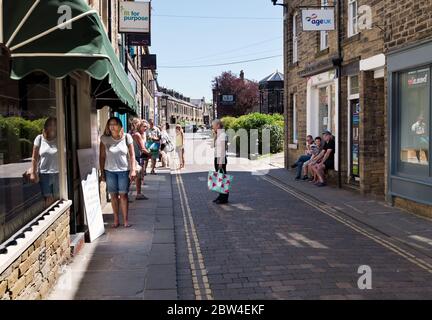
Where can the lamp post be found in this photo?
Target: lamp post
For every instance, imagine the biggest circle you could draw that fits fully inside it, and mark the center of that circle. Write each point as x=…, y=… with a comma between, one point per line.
x=286, y=95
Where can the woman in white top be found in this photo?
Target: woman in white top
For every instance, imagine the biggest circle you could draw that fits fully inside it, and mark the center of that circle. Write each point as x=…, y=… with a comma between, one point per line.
x=45, y=162
x=220, y=155
x=117, y=165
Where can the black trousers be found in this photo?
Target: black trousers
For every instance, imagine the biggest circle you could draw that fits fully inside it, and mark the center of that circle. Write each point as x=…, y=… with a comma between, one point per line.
x=222, y=197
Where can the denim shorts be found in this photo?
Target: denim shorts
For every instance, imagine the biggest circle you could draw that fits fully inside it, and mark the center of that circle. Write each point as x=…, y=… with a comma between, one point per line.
x=49, y=184
x=117, y=182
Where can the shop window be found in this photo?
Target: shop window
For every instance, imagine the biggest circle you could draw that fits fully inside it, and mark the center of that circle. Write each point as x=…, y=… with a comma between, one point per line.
x=414, y=108
x=28, y=131
x=326, y=112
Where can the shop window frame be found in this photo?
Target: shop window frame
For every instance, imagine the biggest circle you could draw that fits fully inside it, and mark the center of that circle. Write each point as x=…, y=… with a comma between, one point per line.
x=400, y=168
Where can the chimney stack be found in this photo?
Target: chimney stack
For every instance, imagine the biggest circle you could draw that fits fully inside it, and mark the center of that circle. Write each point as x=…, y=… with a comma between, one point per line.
x=242, y=75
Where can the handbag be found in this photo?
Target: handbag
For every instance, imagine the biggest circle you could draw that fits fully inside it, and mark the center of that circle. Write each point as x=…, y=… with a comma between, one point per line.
x=152, y=146
x=26, y=176
x=219, y=182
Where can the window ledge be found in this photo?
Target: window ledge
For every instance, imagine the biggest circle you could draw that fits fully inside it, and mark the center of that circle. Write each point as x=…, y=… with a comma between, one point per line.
x=45, y=220
x=293, y=65
x=293, y=146
x=351, y=39
x=322, y=52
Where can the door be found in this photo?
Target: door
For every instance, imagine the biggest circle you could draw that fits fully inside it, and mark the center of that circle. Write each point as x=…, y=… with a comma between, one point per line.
x=355, y=140
x=73, y=176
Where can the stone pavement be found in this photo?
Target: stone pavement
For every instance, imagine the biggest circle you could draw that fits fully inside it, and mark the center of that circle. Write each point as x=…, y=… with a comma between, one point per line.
x=133, y=263
x=402, y=226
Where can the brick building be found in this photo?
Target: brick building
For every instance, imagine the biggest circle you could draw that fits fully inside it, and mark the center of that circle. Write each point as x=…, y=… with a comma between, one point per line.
x=382, y=147
x=176, y=108
x=312, y=97
x=271, y=93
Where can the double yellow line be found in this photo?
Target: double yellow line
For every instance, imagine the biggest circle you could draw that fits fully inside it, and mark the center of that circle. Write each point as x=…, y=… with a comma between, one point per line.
x=196, y=259
x=337, y=216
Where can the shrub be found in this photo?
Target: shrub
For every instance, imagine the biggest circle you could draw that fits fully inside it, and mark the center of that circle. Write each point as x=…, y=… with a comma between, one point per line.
x=228, y=122
x=259, y=121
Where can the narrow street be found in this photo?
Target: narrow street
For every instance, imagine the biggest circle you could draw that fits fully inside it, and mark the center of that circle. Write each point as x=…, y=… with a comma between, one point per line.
x=276, y=239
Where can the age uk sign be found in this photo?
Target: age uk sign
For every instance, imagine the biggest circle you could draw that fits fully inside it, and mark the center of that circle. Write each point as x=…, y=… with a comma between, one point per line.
x=318, y=20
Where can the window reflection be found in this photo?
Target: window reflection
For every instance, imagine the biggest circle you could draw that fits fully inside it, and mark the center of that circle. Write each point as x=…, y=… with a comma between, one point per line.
x=414, y=119
x=28, y=150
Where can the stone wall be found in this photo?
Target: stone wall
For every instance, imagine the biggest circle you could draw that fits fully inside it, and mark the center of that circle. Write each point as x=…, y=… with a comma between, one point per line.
x=407, y=22
x=29, y=279
x=364, y=45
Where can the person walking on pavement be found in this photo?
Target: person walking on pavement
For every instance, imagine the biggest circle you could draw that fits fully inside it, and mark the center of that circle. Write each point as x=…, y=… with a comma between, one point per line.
x=220, y=155
x=166, y=146
x=139, y=149
x=153, y=137
x=117, y=165
x=180, y=145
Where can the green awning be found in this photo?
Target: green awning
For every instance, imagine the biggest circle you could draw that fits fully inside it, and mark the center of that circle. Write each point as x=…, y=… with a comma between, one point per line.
x=35, y=35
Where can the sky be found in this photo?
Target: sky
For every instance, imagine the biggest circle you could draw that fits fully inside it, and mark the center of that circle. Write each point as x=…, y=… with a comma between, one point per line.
x=201, y=32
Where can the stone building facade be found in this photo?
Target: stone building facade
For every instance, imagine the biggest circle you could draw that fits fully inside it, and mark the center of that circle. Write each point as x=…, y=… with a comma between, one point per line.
x=384, y=66
x=38, y=234
x=176, y=108
x=312, y=99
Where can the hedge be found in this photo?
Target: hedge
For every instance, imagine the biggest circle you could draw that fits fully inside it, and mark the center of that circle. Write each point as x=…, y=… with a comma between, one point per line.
x=274, y=123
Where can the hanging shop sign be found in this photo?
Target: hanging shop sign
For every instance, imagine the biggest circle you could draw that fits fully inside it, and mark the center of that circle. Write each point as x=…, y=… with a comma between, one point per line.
x=148, y=62
x=138, y=39
x=90, y=192
x=318, y=19
x=134, y=17
x=227, y=99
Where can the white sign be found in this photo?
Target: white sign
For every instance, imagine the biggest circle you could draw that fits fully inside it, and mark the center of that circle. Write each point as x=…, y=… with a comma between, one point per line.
x=90, y=189
x=318, y=20
x=134, y=17
x=227, y=98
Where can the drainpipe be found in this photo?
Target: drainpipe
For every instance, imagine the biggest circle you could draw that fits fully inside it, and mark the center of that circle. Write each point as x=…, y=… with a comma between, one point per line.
x=1, y=21
x=339, y=72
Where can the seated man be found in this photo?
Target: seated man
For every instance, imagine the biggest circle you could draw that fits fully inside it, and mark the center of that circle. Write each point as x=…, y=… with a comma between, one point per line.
x=316, y=150
x=327, y=160
x=302, y=159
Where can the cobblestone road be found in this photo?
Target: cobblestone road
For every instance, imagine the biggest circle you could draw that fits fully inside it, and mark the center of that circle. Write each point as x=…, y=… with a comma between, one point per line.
x=272, y=243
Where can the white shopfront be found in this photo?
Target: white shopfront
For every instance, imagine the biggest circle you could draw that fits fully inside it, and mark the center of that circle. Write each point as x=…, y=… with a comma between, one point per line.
x=322, y=106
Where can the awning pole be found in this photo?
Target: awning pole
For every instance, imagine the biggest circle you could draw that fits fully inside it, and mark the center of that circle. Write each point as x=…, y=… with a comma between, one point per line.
x=1, y=21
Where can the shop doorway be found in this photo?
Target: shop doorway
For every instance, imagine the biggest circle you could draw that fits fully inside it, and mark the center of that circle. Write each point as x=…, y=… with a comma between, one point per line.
x=73, y=176
x=355, y=141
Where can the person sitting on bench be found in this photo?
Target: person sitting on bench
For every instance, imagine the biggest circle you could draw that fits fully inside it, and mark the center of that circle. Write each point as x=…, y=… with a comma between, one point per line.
x=327, y=161
x=306, y=157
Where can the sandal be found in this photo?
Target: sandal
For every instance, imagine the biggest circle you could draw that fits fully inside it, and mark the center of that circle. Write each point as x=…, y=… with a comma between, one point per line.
x=127, y=225
x=115, y=225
